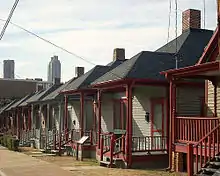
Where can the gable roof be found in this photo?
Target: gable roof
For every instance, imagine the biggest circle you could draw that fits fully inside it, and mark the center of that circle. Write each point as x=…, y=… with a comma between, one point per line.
x=7, y=106
x=148, y=65
x=190, y=45
x=19, y=102
x=144, y=65
x=85, y=80
x=37, y=97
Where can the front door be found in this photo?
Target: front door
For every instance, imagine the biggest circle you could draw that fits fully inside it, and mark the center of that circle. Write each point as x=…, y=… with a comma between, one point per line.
x=119, y=119
x=157, y=123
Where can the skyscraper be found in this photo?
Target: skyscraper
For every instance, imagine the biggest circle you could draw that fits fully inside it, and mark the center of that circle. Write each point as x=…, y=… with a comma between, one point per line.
x=9, y=69
x=54, y=70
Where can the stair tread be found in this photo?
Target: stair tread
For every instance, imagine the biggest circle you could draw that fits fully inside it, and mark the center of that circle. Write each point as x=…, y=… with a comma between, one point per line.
x=209, y=169
x=216, y=163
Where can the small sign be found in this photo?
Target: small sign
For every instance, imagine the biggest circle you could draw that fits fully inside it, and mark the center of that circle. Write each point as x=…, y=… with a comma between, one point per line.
x=83, y=139
x=119, y=131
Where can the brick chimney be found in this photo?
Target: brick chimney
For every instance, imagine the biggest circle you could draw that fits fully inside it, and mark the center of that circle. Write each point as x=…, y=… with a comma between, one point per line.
x=191, y=18
x=79, y=71
x=119, y=54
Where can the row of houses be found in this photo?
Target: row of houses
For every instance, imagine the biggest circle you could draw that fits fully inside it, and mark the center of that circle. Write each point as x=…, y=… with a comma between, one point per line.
x=127, y=112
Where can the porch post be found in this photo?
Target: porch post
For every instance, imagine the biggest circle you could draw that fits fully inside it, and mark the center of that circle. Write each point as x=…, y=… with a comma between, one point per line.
x=82, y=113
x=48, y=117
x=172, y=122
x=66, y=116
x=215, y=97
x=99, y=96
x=18, y=123
x=29, y=118
x=129, y=125
x=32, y=121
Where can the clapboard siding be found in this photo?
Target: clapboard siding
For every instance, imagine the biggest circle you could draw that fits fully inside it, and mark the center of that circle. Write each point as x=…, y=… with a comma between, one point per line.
x=210, y=99
x=107, y=113
x=141, y=105
x=74, y=108
x=189, y=101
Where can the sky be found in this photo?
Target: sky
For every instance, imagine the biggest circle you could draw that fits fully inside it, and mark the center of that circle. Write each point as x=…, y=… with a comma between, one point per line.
x=90, y=29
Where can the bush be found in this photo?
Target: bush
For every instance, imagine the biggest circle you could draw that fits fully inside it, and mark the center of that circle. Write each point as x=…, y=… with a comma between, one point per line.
x=10, y=142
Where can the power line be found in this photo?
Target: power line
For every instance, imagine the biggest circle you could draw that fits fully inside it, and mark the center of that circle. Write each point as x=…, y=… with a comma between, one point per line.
x=169, y=20
x=8, y=19
x=204, y=4
x=176, y=25
x=55, y=45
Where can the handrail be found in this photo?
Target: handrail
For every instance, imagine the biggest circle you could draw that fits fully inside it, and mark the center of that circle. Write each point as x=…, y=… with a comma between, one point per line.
x=204, y=150
x=198, y=118
x=207, y=135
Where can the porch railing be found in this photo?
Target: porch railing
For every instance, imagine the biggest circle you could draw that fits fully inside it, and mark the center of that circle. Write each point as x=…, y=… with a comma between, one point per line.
x=149, y=143
x=192, y=129
x=203, y=151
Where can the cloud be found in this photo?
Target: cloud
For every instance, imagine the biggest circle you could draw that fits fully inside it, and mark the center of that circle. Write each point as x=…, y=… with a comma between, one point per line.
x=91, y=29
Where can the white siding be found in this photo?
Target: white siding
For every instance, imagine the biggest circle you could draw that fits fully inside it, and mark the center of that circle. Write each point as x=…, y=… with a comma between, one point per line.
x=141, y=105
x=75, y=114
x=107, y=113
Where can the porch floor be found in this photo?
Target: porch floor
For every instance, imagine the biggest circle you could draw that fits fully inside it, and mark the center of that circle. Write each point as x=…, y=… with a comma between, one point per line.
x=147, y=153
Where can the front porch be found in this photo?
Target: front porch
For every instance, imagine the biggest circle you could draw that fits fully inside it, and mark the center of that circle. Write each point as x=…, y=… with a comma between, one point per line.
x=131, y=123
x=197, y=136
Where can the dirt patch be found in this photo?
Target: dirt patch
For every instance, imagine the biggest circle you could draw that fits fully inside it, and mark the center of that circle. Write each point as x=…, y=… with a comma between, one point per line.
x=90, y=167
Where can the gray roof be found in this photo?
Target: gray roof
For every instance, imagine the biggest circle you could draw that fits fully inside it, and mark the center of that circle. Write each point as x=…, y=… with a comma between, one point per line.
x=7, y=106
x=148, y=65
x=85, y=80
x=19, y=102
x=56, y=93
x=39, y=96
x=144, y=65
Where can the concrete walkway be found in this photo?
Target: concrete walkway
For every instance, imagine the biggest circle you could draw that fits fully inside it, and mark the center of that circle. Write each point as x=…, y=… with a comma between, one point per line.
x=18, y=164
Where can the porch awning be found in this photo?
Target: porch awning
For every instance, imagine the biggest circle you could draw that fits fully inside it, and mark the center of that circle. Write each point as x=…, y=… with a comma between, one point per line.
x=196, y=71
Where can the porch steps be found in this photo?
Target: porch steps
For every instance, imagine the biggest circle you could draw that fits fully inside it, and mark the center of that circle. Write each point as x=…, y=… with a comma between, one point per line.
x=117, y=163
x=211, y=168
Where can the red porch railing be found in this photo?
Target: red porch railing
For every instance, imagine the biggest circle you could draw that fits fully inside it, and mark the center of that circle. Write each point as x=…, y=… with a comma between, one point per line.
x=149, y=143
x=192, y=129
x=203, y=151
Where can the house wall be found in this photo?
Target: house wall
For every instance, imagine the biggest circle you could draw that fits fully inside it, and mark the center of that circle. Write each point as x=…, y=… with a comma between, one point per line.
x=74, y=115
x=189, y=100
x=107, y=113
x=141, y=104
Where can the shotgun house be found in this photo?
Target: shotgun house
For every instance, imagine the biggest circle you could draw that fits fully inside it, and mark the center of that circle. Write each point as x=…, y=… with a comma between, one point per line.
x=133, y=101
x=79, y=115
x=4, y=118
x=197, y=137
x=40, y=116
x=19, y=116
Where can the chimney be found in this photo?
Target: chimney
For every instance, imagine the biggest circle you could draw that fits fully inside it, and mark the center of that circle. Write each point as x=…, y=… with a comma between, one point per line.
x=79, y=71
x=191, y=18
x=119, y=54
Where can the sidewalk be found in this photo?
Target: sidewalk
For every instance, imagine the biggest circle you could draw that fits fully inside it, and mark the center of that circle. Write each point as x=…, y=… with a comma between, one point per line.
x=18, y=164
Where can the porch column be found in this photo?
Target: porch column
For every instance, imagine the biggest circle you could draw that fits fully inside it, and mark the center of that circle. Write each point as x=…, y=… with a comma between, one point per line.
x=215, y=98
x=33, y=125
x=172, y=119
x=29, y=118
x=66, y=116
x=129, y=126
x=99, y=97
x=48, y=117
x=60, y=117
x=82, y=112
x=18, y=123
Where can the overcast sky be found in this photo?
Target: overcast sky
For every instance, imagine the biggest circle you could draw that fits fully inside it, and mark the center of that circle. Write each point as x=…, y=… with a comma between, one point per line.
x=88, y=28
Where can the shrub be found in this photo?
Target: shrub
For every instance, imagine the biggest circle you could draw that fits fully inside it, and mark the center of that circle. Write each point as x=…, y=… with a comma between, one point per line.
x=10, y=142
